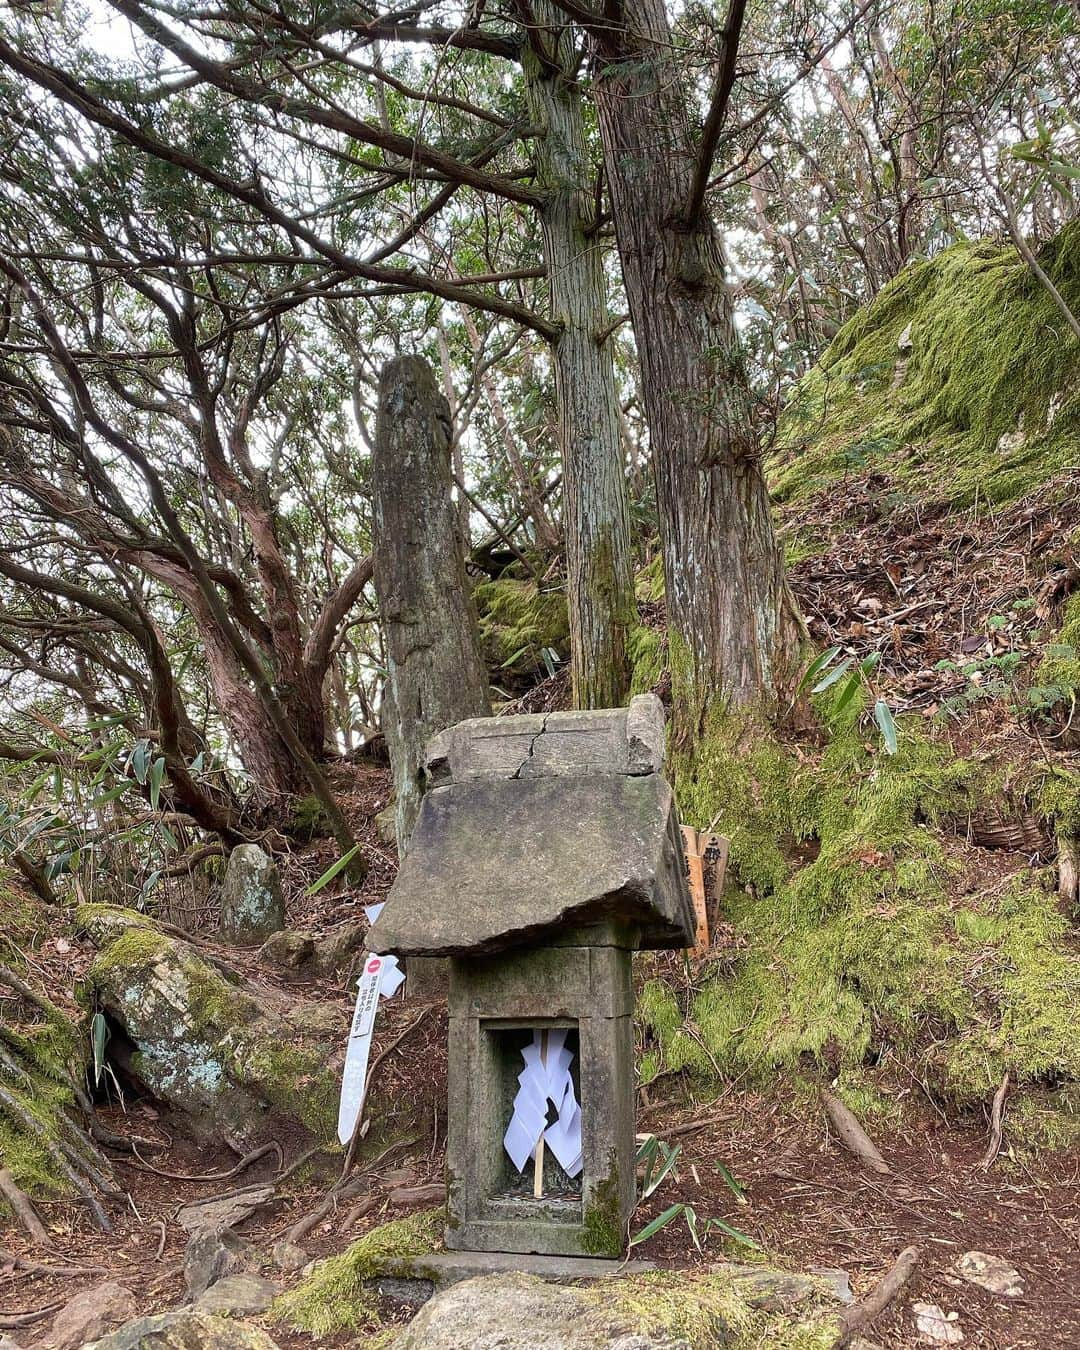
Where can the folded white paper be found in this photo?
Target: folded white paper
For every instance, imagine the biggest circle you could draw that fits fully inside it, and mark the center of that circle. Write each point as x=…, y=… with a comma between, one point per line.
x=546, y=1078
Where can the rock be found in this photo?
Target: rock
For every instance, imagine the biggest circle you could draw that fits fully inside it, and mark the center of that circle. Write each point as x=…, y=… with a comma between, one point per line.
x=215, y=1216
x=579, y=849
x=519, y=1312
x=211, y=1254
x=940, y=1328
x=649, y=1311
x=779, y=1290
x=186, y=1330
x=992, y=1273
x=386, y=826
x=90, y=1315
x=335, y=951
x=289, y=1257
x=288, y=950
x=904, y=344
x=214, y=1048
x=252, y=905
x=6, y=1343
x=238, y=1296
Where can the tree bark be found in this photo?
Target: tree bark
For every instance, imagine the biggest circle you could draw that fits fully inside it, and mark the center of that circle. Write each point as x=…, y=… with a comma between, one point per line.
x=734, y=625
x=435, y=672
x=596, y=514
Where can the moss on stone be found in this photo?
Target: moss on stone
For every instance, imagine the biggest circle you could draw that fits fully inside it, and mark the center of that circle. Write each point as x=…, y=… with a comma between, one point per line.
x=338, y=1295
x=1029, y=989
x=293, y=1080
x=602, y=1228
x=646, y=650
x=309, y=820
x=518, y=620
x=986, y=401
x=706, y=1309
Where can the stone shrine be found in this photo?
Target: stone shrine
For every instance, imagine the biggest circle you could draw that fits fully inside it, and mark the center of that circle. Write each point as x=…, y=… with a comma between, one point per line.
x=546, y=851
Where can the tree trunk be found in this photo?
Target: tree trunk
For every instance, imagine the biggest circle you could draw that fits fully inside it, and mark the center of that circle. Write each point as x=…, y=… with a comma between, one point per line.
x=596, y=516
x=735, y=629
x=435, y=672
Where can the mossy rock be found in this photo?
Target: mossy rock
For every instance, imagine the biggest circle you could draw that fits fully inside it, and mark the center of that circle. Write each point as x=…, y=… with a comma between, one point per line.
x=519, y=621
x=43, y=1059
x=661, y=1309
x=207, y=1045
x=962, y=377
x=339, y=1293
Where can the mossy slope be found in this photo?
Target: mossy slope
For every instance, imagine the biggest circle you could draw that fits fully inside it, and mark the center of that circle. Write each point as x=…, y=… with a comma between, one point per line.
x=42, y=1061
x=851, y=946
x=962, y=375
x=518, y=622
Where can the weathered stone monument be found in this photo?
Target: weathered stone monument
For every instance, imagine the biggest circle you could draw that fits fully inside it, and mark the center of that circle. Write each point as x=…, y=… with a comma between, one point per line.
x=547, y=849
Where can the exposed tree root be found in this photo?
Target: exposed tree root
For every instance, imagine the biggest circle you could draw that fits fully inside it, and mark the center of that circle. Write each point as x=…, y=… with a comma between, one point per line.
x=997, y=1120
x=44, y=1268
x=13, y=1321
x=860, y=1315
x=23, y=1210
x=852, y=1135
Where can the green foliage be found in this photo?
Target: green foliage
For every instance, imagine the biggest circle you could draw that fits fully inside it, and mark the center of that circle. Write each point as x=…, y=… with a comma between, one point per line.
x=987, y=401
x=1057, y=676
x=337, y=1295
x=519, y=622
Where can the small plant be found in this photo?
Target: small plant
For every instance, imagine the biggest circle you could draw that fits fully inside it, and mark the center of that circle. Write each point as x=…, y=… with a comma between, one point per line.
x=858, y=676
x=658, y=1159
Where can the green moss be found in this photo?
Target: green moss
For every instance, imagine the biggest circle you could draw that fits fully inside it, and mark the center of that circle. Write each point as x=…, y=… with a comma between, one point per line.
x=309, y=820
x=646, y=649
x=649, y=582
x=846, y=950
x=987, y=401
x=848, y=941
x=1028, y=992
x=336, y=1296
x=518, y=621
x=1057, y=676
x=602, y=1222
x=704, y=1309
x=293, y=1080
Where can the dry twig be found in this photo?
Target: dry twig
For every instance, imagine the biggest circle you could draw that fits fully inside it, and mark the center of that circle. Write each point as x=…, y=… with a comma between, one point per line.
x=852, y=1135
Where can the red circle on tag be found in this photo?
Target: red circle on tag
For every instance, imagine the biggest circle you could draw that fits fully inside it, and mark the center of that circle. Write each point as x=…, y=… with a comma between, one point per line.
x=374, y=964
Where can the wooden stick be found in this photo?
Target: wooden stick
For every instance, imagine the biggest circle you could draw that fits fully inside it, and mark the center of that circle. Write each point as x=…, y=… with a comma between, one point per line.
x=538, y=1166
x=23, y=1210
x=859, y=1315
x=852, y=1135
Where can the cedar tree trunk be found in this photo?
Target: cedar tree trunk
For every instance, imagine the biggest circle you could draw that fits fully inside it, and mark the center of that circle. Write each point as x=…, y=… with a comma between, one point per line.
x=735, y=630
x=596, y=514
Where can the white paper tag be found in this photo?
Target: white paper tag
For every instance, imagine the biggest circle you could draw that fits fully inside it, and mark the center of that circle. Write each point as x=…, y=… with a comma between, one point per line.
x=356, y=1057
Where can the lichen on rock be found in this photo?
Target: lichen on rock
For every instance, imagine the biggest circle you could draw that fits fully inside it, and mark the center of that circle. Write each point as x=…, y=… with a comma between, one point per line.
x=210, y=1047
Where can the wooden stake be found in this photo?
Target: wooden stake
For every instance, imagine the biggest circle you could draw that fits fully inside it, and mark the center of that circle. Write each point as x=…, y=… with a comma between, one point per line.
x=695, y=851
x=538, y=1165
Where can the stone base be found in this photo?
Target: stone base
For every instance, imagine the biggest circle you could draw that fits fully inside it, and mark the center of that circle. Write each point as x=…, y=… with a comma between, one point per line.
x=414, y=1279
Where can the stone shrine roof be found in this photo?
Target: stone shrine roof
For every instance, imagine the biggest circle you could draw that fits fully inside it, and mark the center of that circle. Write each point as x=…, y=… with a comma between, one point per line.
x=538, y=825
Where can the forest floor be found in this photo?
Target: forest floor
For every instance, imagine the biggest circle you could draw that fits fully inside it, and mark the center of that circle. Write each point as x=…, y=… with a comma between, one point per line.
x=923, y=587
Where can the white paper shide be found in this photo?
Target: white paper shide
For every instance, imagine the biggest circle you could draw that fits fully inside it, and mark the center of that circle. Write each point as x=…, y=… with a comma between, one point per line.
x=545, y=1079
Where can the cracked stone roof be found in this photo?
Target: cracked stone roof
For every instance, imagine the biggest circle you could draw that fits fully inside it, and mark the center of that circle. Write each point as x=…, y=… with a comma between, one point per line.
x=538, y=825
